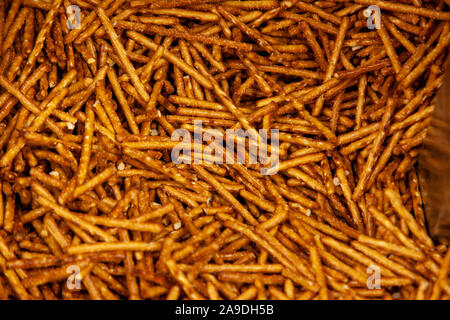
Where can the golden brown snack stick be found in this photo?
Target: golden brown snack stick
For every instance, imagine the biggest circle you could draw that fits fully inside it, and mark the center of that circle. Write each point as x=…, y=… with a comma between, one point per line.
x=122, y=54
x=39, y=44
x=14, y=29
x=71, y=217
x=374, y=152
x=150, y=28
x=171, y=58
x=418, y=231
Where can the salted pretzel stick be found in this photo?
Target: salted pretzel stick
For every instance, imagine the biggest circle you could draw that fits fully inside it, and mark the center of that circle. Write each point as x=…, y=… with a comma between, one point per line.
x=256, y=74
x=87, y=144
x=399, y=36
x=26, y=86
x=2, y=21
x=316, y=91
x=396, y=202
x=261, y=5
x=374, y=152
x=64, y=213
x=14, y=281
x=49, y=109
x=184, y=13
x=347, y=250
x=103, y=116
x=411, y=119
x=2, y=206
x=384, y=157
x=338, y=264
x=183, y=280
x=252, y=33
x=228, y=103
x=395, y=267
x=321, y=13
x=54, y=230
x=263, y=204
x=41, y=262
x=333, y=60
x=122, y=101
x=123, y=203
x=148, y=69
x=362, y=87
x=29, y=33
x=294, y=162
x=208, y=56
x=118, y=47
x=414, y=59
x=316, y=122
x=149, y=28
x=391, y=247
x=124, y=224
x=196, y=103
x=171, y=58
x=151, y=106
x=154, y=164
x=318, y=53
x=362, y=69
x=113, y=246
x=278, y=255
x=307, y=179
x=311, y=224
x=90, y=184
x=416, y=101
x=13, y=9
x=14, y=29
x=281, y=70
x=158, y=20
x=10, y=211
x=380, y=217
x=307, y=142
x=443, y=274
x=74, y=33
x=160, y=4
x=89, y=90
x=132, y=286
x=416, y=198
x=227, y=195
x=15, y=149
x=212, y=268
x=431, y=56
x=340, y=172
x=109, y=108
x=312, y=22
x=318, y=270
x=389, y=48
x=93, y=28
x=39, y=44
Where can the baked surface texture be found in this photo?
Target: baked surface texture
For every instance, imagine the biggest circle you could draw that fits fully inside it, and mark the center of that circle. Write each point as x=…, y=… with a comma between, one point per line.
x=97, y=98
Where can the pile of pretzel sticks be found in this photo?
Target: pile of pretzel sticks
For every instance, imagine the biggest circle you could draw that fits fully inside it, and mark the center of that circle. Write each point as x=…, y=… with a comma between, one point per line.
x=93, y=207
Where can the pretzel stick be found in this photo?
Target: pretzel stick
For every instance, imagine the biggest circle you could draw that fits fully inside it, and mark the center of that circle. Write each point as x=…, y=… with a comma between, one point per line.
x=39, y=44
x=118, y=47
